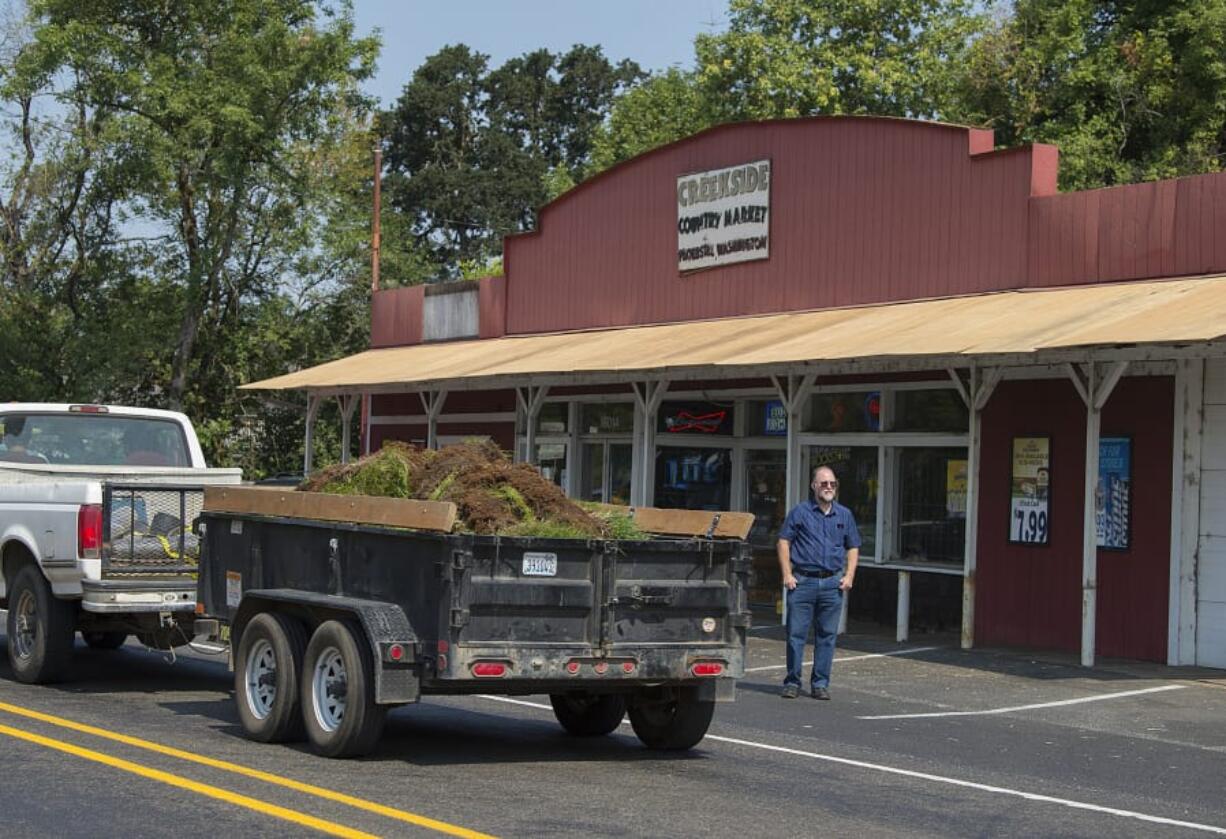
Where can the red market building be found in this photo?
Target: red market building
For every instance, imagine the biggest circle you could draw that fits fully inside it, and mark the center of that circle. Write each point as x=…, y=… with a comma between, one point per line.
x=1023, y=391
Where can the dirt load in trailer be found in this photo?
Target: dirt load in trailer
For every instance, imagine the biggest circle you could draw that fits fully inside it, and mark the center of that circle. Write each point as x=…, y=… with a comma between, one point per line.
x=342, y=606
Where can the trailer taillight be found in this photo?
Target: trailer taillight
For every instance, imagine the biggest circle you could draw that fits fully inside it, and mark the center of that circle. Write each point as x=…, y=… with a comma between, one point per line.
x=489, y=669
x=707, y=668
x=89, y=531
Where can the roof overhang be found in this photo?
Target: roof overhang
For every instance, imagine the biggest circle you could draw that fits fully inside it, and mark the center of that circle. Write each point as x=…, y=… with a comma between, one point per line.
x=1140, y=321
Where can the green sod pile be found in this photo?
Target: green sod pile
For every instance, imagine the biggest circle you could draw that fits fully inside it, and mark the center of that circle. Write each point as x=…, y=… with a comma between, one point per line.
x=491, y=494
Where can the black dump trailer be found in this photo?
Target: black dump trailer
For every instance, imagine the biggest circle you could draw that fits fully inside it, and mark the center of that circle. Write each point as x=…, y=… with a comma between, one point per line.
x=333, y=622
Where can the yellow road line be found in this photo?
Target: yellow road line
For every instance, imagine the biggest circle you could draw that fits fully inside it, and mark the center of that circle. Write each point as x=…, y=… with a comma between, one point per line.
x=183, y=783
x=288, y=783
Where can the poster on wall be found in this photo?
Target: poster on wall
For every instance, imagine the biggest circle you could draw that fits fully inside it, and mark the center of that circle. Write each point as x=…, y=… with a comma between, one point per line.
x=1113, y=493
x=723, y=216
x=955, y=489
x=1029, y=490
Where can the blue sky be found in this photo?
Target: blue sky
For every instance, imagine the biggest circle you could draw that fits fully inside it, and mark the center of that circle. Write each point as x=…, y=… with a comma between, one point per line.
x=655, y=33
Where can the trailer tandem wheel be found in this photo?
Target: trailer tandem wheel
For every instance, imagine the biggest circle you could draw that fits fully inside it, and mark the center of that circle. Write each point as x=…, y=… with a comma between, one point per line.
x=266, y=668
x=588, y=715
x=338, y=698
x=674, y=719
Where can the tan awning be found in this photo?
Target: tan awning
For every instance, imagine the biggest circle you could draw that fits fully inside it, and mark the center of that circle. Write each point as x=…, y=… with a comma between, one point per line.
x=998, y=324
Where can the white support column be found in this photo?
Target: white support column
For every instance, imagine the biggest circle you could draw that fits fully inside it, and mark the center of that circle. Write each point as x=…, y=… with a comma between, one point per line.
x=1095, y=387
x=793, y=391
x=432, y=401
x=979, y=390
x=347, y=403
x=1185, y=509
x=312, y=413
x=647, y=397
x=530, y=400
x=903, y=628
x=574, y=416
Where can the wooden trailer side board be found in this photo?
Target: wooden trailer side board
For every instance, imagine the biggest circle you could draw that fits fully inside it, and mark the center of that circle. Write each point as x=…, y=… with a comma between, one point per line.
x=696, y=523
x=358, y=509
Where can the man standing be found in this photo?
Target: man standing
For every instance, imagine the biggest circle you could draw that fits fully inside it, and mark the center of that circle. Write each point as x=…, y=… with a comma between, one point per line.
x=819, y=546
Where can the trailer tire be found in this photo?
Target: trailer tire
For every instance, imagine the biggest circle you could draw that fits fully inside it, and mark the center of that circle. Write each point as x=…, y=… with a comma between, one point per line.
x=96, y=640
x=266, y=676
x=41, y=629
x=588, y=715
x=676, y=720
x=338, y=702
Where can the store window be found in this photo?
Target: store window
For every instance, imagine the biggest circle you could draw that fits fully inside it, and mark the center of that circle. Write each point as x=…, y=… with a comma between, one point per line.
x=766, y=492
x=553, y=418
x=551, y=460
x=932, y=504
x=930, y=410
x=699, y=418
x=856, y=469
x=693, y=478
x=607, y=418
x=836, y=413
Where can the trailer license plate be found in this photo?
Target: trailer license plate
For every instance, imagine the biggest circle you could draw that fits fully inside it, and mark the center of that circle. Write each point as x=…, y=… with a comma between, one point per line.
x=540, y=565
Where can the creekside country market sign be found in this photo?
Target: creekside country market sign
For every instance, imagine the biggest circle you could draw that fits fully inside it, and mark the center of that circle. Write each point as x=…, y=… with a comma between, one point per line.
x=723, y=216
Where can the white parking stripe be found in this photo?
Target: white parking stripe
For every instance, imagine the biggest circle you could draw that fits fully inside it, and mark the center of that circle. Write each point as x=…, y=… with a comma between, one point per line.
x=940, y=779
x=1079, y=701
x=844, y=658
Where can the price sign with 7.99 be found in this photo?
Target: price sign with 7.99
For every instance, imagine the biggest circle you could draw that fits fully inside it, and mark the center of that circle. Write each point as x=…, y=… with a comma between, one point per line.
x=1030, y=491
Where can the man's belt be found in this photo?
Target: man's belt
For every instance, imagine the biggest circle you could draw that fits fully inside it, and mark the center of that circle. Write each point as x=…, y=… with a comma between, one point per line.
x=820, y=573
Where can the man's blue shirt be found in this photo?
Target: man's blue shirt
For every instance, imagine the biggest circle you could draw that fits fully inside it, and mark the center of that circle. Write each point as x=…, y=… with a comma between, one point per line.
x=820, y=541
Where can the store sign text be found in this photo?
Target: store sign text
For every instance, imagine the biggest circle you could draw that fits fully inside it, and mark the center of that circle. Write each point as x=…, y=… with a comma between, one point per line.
x=723, y=216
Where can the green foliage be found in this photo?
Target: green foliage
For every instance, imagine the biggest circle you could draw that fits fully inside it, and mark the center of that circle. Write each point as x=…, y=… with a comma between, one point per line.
x=513, y=497
x=472, y=151
x=534, y=529
x=1128, y=91
x=662, y=109
x=384, y=474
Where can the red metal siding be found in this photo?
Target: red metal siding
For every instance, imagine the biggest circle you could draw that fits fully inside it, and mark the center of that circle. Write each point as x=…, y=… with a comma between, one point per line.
x=492, y=307
x=501, y=433
x=395, y=316
x=1133, y=585
x=862, y=210
x=458, y=402
x=1030, y=596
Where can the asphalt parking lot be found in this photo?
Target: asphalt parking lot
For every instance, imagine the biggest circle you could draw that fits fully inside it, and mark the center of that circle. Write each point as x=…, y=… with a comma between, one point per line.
x=921, y=739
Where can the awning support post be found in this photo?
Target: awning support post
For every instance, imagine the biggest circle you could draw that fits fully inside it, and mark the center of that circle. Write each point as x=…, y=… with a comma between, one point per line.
x=347, y=402
x=903, y=624
x=432, y=401
x=793, y=391
x=530, y=400
x=312, y=412
x=647, y=397
x=1094, y=387
x=975, y=392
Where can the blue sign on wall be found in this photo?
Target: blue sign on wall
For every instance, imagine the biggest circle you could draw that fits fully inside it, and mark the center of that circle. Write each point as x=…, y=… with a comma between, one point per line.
x=1113, y=494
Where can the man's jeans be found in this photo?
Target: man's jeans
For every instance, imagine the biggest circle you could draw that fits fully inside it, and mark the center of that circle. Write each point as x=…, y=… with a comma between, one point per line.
x=814, y=600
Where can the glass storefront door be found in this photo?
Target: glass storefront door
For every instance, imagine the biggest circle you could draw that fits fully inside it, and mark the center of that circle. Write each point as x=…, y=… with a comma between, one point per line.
x=691, y=478
x=605, y=471
x=856, y=470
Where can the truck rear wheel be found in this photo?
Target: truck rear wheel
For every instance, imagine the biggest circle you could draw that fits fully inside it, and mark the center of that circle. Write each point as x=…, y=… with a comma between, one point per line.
x=266, y=675
x=342, y=719
x=96, y=640
x=588, y=715
x=40, y=629
x=674, y=719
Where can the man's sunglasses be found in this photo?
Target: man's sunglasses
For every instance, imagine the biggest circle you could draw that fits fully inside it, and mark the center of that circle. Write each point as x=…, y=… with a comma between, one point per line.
x=827, y=484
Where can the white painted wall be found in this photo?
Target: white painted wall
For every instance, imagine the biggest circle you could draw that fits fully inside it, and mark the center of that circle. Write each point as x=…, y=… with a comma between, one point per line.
x=1211, y=554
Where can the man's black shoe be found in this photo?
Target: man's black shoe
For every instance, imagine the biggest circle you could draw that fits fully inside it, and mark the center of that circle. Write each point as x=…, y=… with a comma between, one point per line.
x=821, y=693
x=790, y=691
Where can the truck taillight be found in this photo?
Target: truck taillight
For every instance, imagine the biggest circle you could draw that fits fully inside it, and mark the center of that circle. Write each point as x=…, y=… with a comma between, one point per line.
x=707, y=668
x=489, y=669
x=89, y=531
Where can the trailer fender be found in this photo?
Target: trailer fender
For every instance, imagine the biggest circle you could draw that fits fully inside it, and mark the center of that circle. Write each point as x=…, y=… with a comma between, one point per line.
x=394, y=646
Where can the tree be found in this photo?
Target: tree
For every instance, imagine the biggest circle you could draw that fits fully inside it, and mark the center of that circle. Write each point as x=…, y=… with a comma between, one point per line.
x=473, y=152
x=1129, y=91
x=214, y=108
x=789, y=58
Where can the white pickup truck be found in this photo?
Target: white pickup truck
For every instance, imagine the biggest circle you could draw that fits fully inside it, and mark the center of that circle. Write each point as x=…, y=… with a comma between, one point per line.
x=97, y=504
